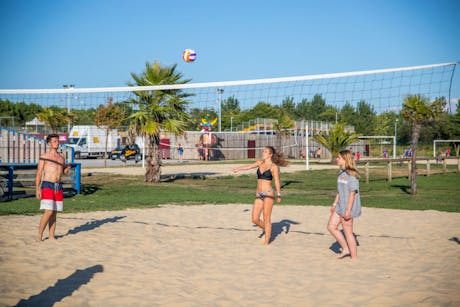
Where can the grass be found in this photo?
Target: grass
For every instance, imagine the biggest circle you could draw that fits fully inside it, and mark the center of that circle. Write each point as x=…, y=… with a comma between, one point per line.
x=115, y=192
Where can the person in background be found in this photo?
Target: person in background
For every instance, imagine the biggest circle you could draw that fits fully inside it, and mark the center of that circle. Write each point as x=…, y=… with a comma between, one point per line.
x=180, y=152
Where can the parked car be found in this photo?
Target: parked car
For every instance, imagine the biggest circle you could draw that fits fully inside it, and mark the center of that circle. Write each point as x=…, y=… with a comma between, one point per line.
x=128, y=152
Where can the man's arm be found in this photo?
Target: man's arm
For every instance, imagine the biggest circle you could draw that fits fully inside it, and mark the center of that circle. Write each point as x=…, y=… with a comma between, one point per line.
x=65, y=167
x=38, y=179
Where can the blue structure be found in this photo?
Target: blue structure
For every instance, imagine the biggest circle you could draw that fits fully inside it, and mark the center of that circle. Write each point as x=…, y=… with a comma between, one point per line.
x=11, y=168
x=21, y=151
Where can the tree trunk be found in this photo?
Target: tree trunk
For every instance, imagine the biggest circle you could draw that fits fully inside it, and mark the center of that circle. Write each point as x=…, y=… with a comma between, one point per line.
x=153, y=171
x=334, y=153
x=413, y=170
x=279, y=141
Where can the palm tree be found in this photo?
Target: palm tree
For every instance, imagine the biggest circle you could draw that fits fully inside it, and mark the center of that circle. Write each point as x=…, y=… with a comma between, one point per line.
x=336, y=139
x=418, y=110
x=55, y=118
x=160, y=110
x=283, y=129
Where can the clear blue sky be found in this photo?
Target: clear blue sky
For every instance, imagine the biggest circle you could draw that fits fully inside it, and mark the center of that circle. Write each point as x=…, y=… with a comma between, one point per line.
x=90, y=43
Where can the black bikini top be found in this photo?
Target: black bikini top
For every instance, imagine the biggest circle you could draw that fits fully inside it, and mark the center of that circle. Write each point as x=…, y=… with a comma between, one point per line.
x=267, y=175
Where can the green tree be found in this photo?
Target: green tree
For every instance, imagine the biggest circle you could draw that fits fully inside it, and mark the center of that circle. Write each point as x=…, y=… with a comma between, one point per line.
x=385, y=123
x=418, y=109
x=347, y=114
x=283, y=129
x=160, y=110
x=19, y=112
x=311, y=110
x=260, y=110
x=336, y=139
x=230, y=112
x=85, y=117
x=109, y=117
x=318, y=107
x=288, y=106
x=330, y=114
x=365, y=118
x=303, y=110
x=264, y=110
x=456, y=124
x=54, y=118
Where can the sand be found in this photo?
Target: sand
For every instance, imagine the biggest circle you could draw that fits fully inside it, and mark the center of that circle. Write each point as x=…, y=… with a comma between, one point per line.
x=212, y=255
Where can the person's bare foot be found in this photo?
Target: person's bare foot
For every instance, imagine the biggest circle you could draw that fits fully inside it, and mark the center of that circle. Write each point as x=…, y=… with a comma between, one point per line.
x=38, y=239
x=343, y=254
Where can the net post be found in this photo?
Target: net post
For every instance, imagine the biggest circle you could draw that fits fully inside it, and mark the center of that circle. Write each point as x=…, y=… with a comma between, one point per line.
x=367, y=171
x=389, y=170
x=394, y=147
x=307, y=155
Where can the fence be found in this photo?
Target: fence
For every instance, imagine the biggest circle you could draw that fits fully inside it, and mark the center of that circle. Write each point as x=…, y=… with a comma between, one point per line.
x=402, y=166
x=19, y=155
x=22, y=148
x=18, y=180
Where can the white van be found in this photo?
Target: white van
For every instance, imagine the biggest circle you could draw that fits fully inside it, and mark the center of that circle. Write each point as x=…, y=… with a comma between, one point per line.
x=89, y=141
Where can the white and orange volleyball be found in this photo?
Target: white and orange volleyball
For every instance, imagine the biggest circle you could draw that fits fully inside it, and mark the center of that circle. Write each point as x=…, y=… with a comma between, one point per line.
x=189, y=55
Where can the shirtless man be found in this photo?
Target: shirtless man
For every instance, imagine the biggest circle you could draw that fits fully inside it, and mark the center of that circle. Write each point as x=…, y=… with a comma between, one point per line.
x=48, y=186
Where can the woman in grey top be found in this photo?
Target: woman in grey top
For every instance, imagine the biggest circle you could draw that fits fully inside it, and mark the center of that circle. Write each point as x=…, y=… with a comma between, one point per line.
x=346, y=206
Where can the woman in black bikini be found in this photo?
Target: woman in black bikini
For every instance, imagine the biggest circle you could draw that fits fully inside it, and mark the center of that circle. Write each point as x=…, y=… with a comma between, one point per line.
x=267, y=170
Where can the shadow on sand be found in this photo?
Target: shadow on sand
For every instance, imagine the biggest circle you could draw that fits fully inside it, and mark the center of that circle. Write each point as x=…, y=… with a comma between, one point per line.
x=280, y=227
x=62, y=288
x=335, y=247
x=92, y=225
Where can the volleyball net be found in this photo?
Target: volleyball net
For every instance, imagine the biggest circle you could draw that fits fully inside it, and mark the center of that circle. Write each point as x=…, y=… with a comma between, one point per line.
x=383, y=89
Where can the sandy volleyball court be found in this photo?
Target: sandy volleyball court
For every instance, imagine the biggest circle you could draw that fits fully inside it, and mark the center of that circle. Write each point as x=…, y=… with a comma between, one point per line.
x=212, y=255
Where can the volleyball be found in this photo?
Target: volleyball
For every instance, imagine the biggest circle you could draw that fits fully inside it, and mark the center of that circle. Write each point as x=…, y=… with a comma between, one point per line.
x=189, y=55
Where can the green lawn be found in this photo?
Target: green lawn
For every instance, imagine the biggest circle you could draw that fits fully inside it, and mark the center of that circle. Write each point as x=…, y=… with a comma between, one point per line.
x=104, y=192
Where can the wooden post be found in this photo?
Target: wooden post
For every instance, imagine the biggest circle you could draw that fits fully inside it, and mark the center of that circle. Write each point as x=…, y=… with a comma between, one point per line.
x=444, y=165
x=458, y=164
x=389, y=171
x=367, y=171
x=428, y=167
x=408, y=169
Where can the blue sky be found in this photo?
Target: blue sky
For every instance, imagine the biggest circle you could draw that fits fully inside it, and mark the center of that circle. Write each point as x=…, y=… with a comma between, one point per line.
x=90, y=43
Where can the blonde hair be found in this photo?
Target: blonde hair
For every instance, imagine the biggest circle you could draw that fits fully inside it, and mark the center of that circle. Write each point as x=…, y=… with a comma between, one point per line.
x=277, y=157
x=350, y=166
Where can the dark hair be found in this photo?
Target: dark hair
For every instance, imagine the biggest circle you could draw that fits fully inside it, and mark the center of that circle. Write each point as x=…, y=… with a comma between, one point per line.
x=277, y=158
x=50, y=136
